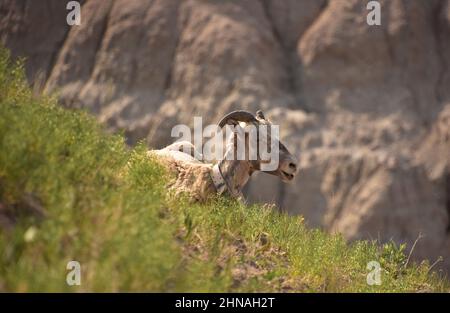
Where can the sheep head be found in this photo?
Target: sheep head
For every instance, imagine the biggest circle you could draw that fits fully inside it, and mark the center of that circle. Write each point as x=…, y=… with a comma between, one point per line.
x=241, y=120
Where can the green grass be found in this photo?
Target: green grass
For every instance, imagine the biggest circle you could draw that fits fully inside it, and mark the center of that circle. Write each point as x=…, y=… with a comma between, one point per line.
x=105, y=206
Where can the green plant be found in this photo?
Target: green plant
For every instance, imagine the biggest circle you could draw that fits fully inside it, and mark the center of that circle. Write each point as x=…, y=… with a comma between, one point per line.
x=106, y=206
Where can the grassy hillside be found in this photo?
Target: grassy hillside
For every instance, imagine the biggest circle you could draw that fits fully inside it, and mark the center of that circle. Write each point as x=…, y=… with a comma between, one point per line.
x=68, y=191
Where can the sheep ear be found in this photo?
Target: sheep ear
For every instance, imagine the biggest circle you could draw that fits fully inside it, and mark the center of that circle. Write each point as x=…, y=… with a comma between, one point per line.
x=260, y=115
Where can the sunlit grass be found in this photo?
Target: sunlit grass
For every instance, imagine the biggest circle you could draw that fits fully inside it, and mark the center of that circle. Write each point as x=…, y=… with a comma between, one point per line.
x=105, y=206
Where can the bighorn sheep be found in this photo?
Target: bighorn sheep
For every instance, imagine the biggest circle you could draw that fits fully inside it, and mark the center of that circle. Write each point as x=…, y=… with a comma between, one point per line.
x=229, y=175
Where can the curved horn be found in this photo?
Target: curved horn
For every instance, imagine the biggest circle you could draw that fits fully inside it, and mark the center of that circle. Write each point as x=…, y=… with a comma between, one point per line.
x=241, y=116
x=260, y=115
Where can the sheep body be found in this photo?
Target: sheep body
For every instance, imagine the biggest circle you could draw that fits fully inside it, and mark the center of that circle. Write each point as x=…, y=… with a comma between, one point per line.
x=188, y=174
x=202, y=180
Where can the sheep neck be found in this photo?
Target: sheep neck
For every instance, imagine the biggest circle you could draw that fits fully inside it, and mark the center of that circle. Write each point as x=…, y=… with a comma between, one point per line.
x=236, y=173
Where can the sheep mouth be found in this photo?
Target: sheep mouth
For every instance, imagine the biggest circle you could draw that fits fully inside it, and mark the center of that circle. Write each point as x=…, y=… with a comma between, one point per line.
x=287, y=176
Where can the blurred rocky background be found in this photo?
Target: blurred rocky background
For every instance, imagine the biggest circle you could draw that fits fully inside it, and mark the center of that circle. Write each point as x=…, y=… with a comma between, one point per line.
x=366, y=108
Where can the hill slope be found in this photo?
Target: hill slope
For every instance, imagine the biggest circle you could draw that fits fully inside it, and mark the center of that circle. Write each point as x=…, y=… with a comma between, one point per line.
x=358, y=103
x=68, y=191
